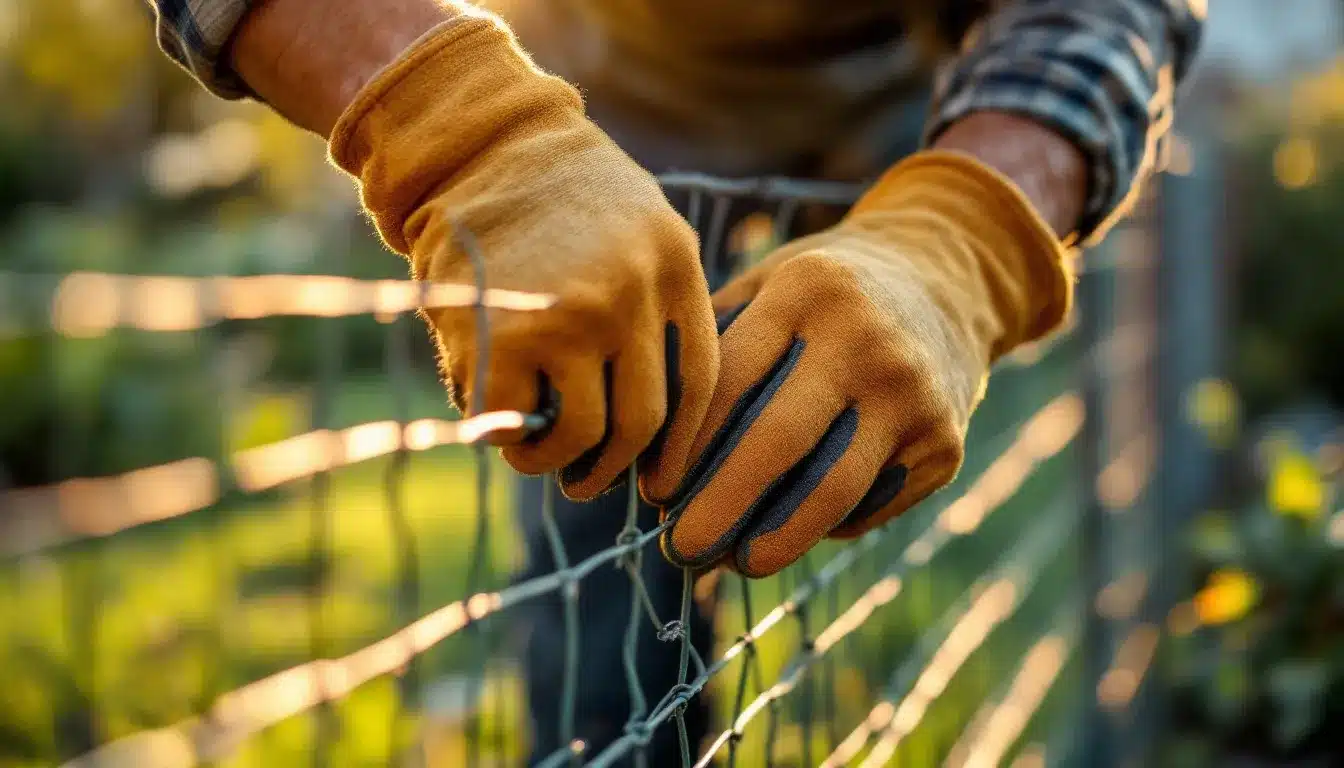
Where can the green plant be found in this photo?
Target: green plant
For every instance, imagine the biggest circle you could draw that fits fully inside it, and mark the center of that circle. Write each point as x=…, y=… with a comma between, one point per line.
x=1257, y=655
x=1289, y=300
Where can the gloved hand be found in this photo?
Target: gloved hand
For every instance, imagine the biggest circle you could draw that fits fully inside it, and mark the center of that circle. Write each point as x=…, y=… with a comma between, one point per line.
x=464, y=131
x=855, y=357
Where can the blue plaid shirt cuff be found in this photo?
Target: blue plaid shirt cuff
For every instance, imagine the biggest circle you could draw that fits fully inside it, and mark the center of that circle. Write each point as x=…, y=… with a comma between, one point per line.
x=1100, y=72
x=195, y=34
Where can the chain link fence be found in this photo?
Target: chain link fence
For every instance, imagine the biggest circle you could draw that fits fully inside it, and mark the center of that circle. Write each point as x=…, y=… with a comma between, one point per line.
x=344, y=596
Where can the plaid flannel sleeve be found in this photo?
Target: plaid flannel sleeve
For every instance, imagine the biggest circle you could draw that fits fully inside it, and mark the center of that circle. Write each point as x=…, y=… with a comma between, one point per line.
x=194, y=33
x=1102, y=72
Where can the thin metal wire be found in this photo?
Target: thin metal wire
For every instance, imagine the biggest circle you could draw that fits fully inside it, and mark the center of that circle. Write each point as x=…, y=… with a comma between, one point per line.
x=480, y=552
x=407, y=603
x=1000, y=718
x=569, y=591
x=482, y=605
x=805, y=647
x=765, y=189
x=918, y=553
x=221, y=549
x=875, y=566
x=713, y=250
x=994, y=597
x=632, y=563
x=750, y=666
x=830, y=694
x=321, y=560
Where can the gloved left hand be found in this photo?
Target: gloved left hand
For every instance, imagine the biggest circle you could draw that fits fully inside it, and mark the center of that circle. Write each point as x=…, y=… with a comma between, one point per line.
x=463, y=131
x=854, y=359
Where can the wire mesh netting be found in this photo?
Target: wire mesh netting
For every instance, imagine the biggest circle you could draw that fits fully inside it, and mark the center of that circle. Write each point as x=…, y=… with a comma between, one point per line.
x=362, y=592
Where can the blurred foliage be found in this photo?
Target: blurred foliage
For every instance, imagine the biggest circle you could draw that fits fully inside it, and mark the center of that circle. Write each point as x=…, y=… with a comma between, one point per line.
x=1290, y=300
x=145, y=629
x=113, y=160
x=1257, y=651
x=1256, y=656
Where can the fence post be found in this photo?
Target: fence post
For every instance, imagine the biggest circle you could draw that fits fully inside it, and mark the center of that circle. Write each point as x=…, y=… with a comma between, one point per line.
x=1094, y=299
x=1191, y=225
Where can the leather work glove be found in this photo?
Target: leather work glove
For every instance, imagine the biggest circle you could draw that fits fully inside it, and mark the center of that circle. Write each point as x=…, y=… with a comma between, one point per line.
x=463, y=130
x=854, y=358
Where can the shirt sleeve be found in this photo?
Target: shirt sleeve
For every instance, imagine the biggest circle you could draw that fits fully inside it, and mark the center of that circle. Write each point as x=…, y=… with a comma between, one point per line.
x=1101, y=72
x=195, y=33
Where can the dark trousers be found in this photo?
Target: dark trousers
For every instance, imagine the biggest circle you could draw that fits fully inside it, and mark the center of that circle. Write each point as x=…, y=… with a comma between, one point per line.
x=603, y=704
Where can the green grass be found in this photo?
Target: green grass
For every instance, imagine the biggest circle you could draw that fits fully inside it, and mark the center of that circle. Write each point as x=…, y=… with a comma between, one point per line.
x=147, y=627
x=179, y=610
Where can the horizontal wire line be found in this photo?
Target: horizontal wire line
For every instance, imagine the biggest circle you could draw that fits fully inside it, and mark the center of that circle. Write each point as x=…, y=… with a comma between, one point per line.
x=765, y=189
x=1032, y=445
x=87, y=304
x=90, y=304
x=1122, y=598
x=306, y=685
x=247, y=710
x=1057, y=747
x=1129, y=667
x=964, y=626
x=879, y=594
x=72, y=510
x=1005, y=714
x=1127, y=475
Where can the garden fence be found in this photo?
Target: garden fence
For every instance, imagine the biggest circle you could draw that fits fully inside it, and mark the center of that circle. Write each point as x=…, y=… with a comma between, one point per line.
x=1011, y=619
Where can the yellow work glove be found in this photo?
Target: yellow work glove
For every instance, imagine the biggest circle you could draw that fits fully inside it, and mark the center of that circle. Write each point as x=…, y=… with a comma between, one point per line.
x=854, y=358
x=463, y=130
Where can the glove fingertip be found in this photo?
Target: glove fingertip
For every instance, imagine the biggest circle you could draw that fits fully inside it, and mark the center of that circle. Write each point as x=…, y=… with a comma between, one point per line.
x=672, y=554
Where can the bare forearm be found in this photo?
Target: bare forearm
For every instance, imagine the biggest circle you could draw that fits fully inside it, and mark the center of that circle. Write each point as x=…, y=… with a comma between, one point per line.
x=1048, y=169
x=1100, y=73
x=308, y=58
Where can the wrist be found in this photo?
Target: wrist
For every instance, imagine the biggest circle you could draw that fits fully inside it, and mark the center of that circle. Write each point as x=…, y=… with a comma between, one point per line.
x=463, y=96
x=969, y=224
x=1049, y=170
x=308, y=59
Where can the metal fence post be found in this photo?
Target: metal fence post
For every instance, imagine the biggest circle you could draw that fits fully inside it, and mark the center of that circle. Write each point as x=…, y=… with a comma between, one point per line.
x=1093, y=304
x=1191, y=223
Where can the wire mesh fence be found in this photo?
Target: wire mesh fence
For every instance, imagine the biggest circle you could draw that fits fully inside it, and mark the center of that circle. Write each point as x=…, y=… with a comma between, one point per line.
x=352, y=594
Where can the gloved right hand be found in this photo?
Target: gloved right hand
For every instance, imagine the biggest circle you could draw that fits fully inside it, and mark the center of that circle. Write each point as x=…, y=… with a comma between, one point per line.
x=463, y=130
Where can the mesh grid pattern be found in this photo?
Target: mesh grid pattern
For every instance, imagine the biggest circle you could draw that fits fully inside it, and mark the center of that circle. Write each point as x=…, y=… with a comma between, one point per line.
x=1034, y=653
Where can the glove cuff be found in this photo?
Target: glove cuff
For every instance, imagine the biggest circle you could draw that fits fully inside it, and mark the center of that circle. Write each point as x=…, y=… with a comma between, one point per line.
x=462, y=87
x=1026, y=271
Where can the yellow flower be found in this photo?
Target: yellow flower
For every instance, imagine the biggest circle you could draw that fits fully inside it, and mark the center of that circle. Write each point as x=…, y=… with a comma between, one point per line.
x=1296, y=162
x=1295, y=486
x=1229, y=595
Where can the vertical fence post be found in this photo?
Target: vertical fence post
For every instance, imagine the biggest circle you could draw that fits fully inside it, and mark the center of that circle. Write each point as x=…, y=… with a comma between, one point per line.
x=1190, y=227
x=1093, y=304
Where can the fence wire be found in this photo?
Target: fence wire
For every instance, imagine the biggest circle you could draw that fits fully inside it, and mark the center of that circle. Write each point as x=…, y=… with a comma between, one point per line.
x=1009, y=619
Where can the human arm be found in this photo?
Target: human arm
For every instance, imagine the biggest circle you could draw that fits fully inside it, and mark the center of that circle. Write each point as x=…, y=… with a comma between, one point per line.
x=1071, y=99
x=306, y=59
x=447, y=125
x=855, y=357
